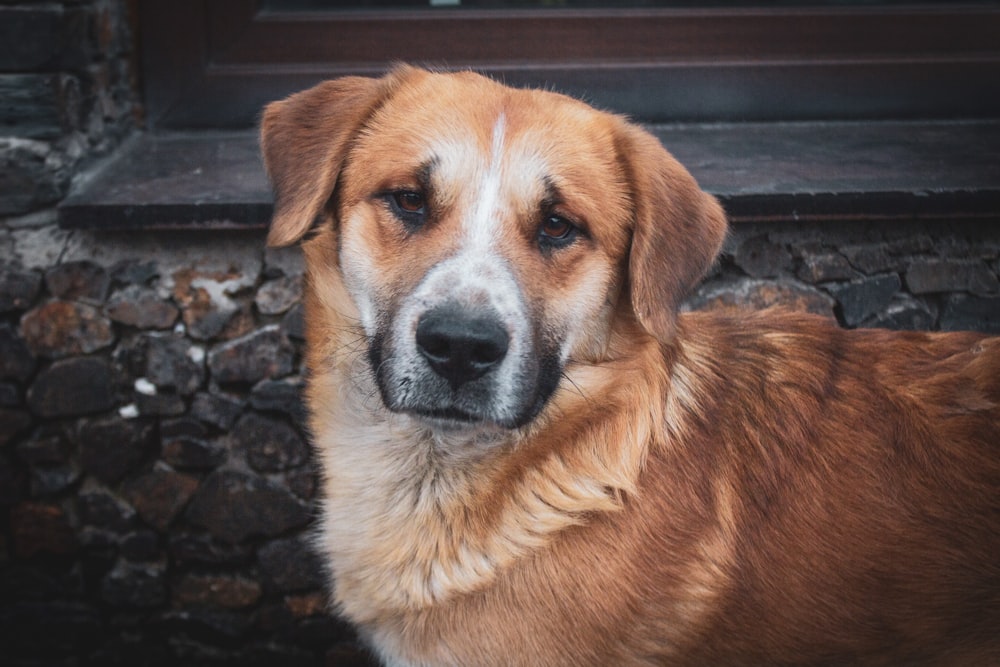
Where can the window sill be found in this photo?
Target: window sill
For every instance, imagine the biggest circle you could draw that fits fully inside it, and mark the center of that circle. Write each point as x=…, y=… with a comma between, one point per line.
x=760, y=171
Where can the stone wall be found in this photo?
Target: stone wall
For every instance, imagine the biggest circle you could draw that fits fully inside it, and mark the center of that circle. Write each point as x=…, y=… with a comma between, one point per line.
x=156, y=481
x=67, y=95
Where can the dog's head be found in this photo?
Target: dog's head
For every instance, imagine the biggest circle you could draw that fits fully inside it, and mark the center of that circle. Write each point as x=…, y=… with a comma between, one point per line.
x=486, y=236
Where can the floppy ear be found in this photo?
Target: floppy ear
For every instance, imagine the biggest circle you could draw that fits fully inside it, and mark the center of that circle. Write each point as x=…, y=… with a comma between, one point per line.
x=305, y=139
x=679, y=230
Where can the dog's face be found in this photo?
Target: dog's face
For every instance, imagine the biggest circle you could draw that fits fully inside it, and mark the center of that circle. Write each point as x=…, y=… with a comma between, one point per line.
x=485, y=235
x=477, y=248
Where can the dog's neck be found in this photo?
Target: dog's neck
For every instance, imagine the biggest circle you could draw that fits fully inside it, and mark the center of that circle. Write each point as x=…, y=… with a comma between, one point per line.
x=505, y=492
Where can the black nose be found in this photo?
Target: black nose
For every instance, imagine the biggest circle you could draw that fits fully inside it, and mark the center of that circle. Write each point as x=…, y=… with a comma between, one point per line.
x=461, y=345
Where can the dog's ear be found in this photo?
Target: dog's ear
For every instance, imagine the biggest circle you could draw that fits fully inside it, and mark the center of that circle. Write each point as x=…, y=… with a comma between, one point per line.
x=679, y=230
x=305, y=139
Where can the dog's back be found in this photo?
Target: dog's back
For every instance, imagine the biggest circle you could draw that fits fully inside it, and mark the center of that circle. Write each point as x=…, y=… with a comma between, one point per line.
x=860, y=487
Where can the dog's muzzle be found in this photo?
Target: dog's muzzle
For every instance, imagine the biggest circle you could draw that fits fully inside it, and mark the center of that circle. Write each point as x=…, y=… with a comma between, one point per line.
x=460, y=364
x=460, y=345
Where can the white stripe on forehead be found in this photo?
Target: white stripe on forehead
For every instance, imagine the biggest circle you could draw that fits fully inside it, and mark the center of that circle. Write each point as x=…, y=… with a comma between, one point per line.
x=479, y=183
x=479, y=226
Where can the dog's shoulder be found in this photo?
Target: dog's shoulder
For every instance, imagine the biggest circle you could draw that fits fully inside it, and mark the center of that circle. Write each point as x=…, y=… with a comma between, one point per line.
x=781, y=388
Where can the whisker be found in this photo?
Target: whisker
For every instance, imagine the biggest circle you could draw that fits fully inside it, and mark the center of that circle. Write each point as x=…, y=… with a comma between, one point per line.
x=579, y=390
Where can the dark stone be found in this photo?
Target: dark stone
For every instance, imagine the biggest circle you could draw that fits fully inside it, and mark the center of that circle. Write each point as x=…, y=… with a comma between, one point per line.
x=186, y=452
x=10, y=395
x=162, y=405
x=78, y=281
x=305, y=605
x=205, y=322
x=350, y=654
x=223, y=591
x=273, y=619
x=12, y=483
x=129, y=360
x=294, y=324
x=760, y=258
x=215, y=409
x=135, y=585
x=872, y=259
x=48, y=447
x=173, y=363
x=277, y=296
x=49, y=480
x=111, y=447
x=100, y=549
x=861, y=299
x=16, y=360
x=284, y=396
x=185, y=444
x=317, y=632
x=824, y=267
x=905, y=242
x=276, y=655
x=289, y=565
x=184, y=427
x=960, y=247
x=213, y=626
x=38, y=579
x=41, y=528
x=204, y=316
x=963, y=312
x=12, y=423
x=759, y=294
x=905, y=313
x=63, y=328
x=927, y=276
x=188, y=548
x=132, y=649
x=266, y=353
x=134, y=272
x=141, y=546
x=18, y=289
x=48, y=632
x=141, y=307
x=302, y=481
x=270, y=445
x=70, y=387
x=98, y=508
x=234, y=506
x=278, y=262
x=33, y=174
x=160, y=495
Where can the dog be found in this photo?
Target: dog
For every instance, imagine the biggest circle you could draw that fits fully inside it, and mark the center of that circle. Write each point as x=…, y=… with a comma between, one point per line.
x=530, y=457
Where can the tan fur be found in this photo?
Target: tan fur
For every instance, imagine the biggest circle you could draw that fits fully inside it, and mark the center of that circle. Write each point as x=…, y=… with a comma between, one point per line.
x=702, y=489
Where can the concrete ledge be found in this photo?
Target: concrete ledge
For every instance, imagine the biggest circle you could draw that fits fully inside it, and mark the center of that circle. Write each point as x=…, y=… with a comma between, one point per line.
x=760, y=171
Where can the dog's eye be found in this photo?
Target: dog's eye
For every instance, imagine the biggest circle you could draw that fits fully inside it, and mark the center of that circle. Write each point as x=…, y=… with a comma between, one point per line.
x=409, y=206
x=556, y=232
x=410, y=202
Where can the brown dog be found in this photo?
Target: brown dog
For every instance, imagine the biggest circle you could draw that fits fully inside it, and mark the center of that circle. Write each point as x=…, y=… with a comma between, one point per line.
x=531, y=459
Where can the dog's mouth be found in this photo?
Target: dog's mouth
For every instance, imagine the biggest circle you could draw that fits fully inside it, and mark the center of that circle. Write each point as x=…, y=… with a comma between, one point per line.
x=504, y=398
x=448, y=416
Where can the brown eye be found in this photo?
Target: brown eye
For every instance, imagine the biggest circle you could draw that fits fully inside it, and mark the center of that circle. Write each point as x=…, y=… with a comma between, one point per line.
x=556, y=232
x=409, y=207
x=556, y=227
x=409, y=202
